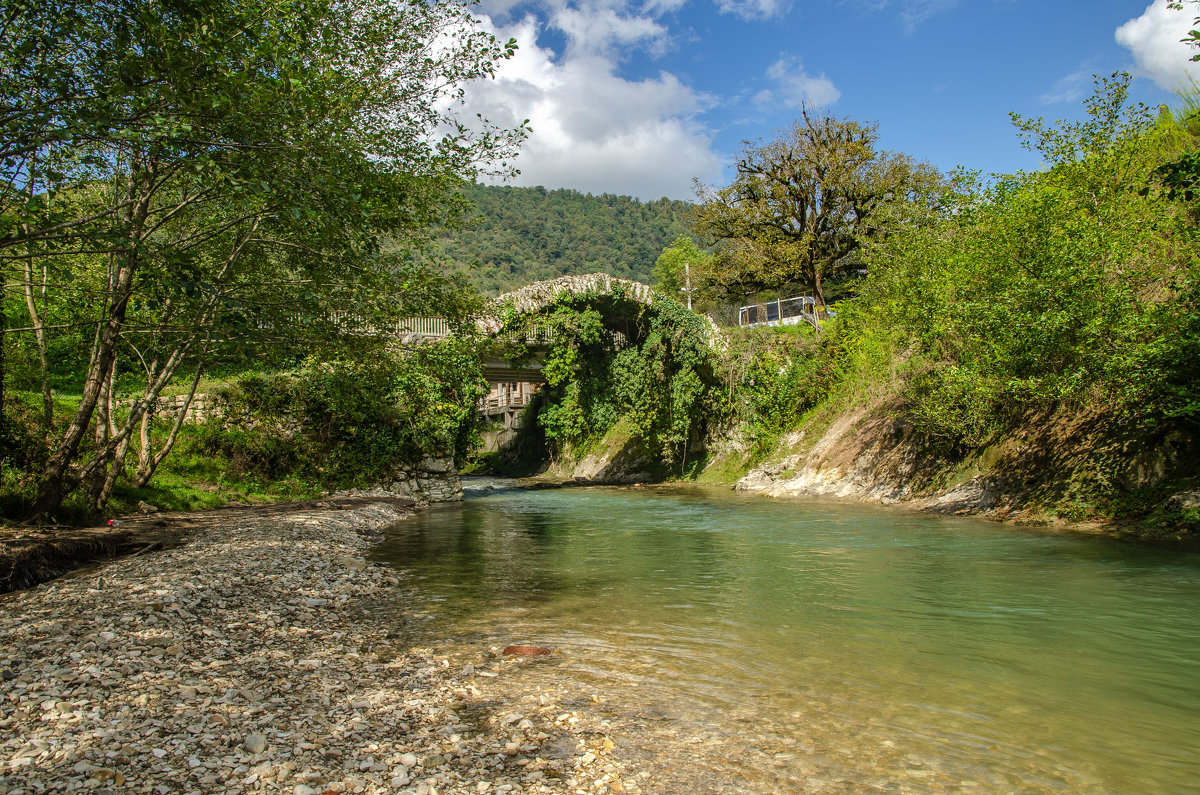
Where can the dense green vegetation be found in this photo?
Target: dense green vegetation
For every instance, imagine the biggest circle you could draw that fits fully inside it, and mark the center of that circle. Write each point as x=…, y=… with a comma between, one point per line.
x=1077, y=285
x=185, y=186
x=1065, y=295
x=612, y=360
x=342, y=423
x=524, y=235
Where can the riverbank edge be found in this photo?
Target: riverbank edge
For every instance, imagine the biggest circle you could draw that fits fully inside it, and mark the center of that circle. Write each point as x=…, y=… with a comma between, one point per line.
x=247, y=659
x=1044, y=474
x=30, y=556
x=1034, y=477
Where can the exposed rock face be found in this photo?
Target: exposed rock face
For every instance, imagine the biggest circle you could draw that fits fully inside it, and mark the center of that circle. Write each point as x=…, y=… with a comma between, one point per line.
x=859, y=456
x=616, y=463
x=1047, y=462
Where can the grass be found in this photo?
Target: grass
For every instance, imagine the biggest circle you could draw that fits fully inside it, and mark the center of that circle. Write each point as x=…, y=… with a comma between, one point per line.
x=190, y=477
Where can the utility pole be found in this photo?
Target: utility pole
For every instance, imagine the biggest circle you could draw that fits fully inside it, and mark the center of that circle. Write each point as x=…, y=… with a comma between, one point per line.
x=687, y=280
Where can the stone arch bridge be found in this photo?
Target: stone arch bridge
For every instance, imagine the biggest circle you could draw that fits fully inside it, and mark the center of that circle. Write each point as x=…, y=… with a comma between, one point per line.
x=620, y=300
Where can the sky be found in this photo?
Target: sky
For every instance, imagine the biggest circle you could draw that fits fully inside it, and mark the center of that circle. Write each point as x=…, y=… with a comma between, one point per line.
x=642, y=97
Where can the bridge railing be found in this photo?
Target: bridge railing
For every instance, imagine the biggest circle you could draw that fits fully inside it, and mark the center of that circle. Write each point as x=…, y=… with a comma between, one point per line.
x=513, y=401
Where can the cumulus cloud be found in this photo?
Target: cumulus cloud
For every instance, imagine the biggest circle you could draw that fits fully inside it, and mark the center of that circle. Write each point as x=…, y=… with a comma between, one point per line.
x=794, y=87
x=593, y=129
x=605, y=30
x=1154, y=40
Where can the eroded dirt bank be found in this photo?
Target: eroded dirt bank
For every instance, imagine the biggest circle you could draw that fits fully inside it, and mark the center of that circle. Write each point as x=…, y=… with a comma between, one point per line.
x=247, y=660
x=1082, y=473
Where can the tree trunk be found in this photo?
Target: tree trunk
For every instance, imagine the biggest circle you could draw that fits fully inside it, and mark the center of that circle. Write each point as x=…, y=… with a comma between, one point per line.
x=100, y=498
x=105, y=408
x=54, y=482
x=3, y=345
x=147, y=468
x=38, y=321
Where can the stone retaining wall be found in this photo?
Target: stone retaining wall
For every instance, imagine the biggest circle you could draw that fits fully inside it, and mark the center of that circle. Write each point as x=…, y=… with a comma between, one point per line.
x=432, y=480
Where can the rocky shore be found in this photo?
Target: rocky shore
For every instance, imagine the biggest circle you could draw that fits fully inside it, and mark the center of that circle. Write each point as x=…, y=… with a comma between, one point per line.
x=247, y=660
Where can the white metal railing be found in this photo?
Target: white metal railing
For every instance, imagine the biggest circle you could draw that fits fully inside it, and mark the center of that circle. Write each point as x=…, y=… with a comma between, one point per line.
x=784, y=312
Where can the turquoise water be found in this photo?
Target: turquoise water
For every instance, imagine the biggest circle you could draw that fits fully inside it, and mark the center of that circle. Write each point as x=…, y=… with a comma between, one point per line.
x=860, y=648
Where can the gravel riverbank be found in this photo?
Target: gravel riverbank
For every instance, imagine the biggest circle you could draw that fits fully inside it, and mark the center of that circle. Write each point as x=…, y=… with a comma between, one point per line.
x=247, y=660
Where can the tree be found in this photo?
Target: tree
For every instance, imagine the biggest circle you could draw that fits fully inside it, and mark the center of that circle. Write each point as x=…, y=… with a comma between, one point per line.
x=1074, y=285
x=230, y=170
x=803, y=204
x=671, y=270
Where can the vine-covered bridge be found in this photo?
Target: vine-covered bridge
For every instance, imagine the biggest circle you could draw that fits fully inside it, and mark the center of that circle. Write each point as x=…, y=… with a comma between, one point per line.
x=619, y=301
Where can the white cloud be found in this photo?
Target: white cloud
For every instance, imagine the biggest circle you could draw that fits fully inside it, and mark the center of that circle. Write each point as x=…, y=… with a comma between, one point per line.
x=912, y=12
x=1071, y=88
x=1154, y=40
x=604, y=30
x=593, y=129
x=753, y=9
x=795, y=87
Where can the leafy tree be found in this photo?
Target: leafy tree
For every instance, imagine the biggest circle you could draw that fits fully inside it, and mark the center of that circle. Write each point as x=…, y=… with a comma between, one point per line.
x=232, y=166
x=1071, y=286
x=674, y=263
x=803, y=205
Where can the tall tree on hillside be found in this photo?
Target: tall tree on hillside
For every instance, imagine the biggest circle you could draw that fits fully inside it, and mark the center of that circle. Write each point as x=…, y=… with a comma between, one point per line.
x=804, y=203
x=230, y=162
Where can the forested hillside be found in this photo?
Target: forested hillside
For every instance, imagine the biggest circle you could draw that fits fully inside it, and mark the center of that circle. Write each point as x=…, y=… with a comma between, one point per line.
x=524, y=235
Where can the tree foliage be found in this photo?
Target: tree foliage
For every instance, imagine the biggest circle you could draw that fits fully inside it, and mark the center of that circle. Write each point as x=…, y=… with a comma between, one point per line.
x=1077, y=285
x=522, y=235
x=351, y=422
x=802, y=205
x=192, y=175
x=1193, y=36
x=650, y=365
x=680, y=266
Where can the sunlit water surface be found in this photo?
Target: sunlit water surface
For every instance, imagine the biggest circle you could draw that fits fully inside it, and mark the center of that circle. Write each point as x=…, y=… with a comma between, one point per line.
x=801, y=646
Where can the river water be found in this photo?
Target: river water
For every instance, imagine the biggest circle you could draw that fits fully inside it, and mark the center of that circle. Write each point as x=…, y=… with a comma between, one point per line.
x=740, y=644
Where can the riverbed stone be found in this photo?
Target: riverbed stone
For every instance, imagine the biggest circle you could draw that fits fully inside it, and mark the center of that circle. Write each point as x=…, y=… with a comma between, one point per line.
x=249, y=660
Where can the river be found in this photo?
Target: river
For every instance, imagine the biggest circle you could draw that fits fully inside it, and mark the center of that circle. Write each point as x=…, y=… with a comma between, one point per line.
x=740, y=644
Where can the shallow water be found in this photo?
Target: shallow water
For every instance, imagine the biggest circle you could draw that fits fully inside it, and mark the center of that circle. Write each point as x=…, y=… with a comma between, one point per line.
x=773, y=646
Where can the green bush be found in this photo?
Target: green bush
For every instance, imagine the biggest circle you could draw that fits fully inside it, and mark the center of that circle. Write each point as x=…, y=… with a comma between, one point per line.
x=1073, y=286
x=351, y=422
x=657, y=373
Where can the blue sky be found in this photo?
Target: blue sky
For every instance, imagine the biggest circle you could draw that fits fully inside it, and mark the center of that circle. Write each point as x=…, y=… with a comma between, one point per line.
x=640, y=97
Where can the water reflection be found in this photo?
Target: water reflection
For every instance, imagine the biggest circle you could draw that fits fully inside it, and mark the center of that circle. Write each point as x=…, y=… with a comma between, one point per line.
x=994, y=655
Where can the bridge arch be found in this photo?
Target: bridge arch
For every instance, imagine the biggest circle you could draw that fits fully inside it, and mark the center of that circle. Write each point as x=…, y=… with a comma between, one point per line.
x=621, y=301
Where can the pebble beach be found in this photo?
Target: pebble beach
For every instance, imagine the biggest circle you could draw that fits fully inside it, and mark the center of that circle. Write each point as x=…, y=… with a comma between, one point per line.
x=247, y=660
